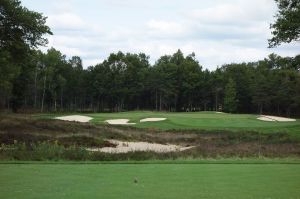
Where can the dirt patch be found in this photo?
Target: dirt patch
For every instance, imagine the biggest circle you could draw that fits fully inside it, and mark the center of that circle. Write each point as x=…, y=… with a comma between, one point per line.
x=125, y=147
x=75, y=118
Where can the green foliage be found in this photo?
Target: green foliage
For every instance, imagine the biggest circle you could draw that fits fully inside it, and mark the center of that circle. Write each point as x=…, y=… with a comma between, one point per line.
x=179, y=85
x=8, y=71
x=21, y=31
x=20, y=27
x=230, y=101
x=49, y=82
x=287, y=26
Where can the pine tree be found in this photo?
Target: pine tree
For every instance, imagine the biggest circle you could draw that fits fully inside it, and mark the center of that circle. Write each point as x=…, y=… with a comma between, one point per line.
x=230, y=104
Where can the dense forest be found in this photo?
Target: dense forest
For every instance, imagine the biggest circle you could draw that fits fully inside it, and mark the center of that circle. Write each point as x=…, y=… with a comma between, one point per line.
x=50, y=82
x=32, y=80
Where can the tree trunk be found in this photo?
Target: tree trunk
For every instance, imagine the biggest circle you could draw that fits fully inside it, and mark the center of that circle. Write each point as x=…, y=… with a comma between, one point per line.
x=61, y=98
x=44, y=90
x=25, y=102
x=175, y=101
x=288, y=112
x=159, y=101
x=156, y=100
x=35, y=87
x=55, y=104
x=261, y=109
x=216, y=101
x=7, y=101
x=98, y=105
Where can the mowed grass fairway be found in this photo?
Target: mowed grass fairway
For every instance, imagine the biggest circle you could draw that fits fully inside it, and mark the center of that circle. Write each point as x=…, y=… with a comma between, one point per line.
x=196, y=120
x=71, y=181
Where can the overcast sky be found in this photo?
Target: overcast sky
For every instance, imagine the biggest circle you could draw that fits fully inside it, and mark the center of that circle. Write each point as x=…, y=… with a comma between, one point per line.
x=218, y=31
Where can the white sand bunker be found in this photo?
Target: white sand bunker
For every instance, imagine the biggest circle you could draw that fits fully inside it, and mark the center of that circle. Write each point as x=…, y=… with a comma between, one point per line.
x=275, y=119
x=125, y=147
x=75, y=118
x=265, y=119
x=119, y=122
x=152, y=119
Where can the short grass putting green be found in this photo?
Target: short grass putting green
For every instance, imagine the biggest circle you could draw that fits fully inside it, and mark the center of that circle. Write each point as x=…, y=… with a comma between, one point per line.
x=196, y=120
x=72, y=181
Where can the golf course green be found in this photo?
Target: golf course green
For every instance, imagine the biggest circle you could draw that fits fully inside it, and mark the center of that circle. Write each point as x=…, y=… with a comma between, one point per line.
x=71, y=181
x=194, y=120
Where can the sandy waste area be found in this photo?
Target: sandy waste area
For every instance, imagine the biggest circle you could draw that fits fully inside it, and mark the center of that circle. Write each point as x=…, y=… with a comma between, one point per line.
x=75, y=118
x=125, y=147
x=275, y=119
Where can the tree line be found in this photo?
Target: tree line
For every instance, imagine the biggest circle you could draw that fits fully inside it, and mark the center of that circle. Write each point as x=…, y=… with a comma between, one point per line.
x=48, y=81
x=51, y=82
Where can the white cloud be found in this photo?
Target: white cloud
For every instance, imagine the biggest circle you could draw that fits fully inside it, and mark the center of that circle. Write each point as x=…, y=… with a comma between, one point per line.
x=165, y=27
x=217, y=31
x=234, y=12
x=66, y=21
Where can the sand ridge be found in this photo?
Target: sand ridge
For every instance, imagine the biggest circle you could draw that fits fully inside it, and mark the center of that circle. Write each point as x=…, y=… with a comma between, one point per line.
x=125, y=147
x=75, y=118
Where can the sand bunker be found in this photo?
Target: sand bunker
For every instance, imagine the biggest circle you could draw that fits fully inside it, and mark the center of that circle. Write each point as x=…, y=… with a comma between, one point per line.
x=119, y=122
x=75, y=118
x=152, y=119
x=125, y=147
x=266, y=119
x=275, y=119
x=126, y=121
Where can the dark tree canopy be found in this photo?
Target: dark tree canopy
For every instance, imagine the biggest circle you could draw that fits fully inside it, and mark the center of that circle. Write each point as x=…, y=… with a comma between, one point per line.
x=287, y=25
x=20, y=27
x=230, y=102
x=21, y=32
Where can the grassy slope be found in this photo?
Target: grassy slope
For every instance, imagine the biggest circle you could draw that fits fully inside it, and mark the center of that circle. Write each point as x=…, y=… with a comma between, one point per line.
x=202, y=120
x=154, y=181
